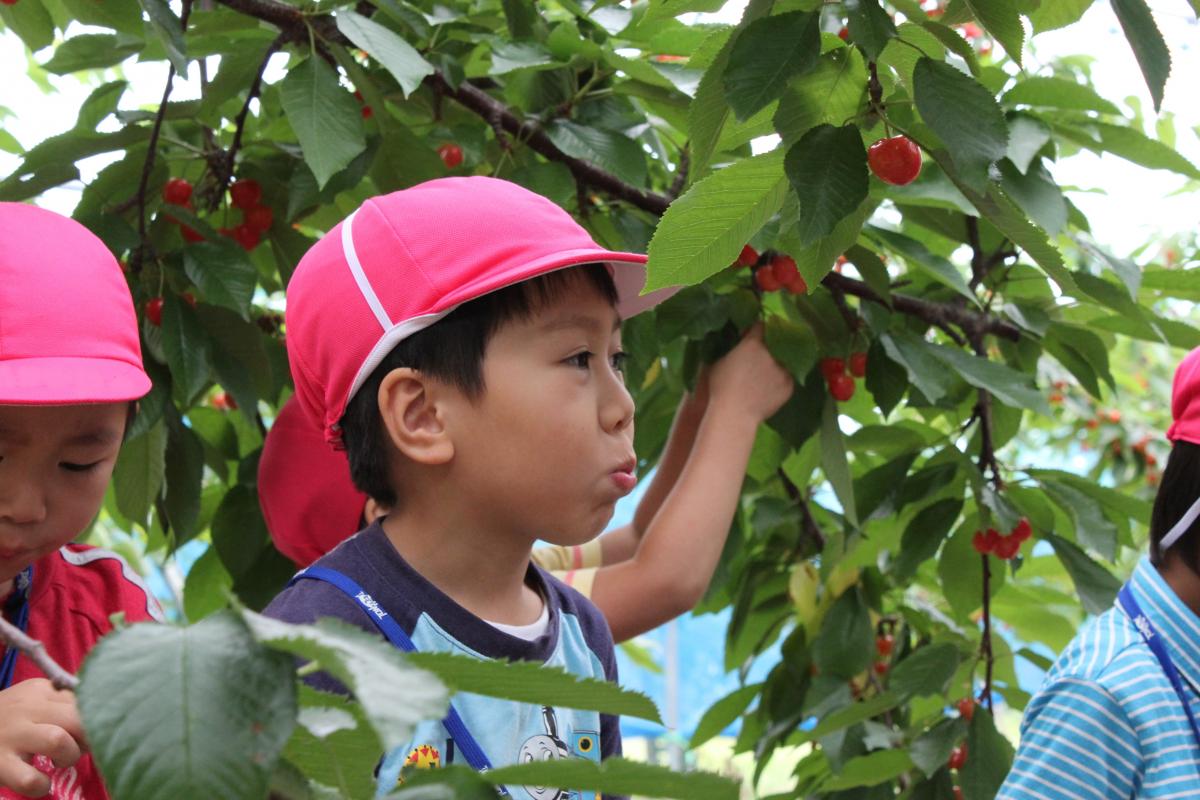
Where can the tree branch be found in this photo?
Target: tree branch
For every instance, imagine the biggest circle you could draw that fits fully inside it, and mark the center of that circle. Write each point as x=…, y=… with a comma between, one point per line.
x=12, y=636
x=227, y=163
x=807, y=521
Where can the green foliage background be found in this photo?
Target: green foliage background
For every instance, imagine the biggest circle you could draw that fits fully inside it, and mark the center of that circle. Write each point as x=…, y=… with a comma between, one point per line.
x=997, y=330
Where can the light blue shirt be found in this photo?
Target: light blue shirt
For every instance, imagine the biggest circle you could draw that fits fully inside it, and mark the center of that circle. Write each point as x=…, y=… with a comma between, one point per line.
x=1107, y=723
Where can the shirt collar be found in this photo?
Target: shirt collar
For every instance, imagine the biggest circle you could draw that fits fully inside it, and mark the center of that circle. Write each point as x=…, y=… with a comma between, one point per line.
x=1177, y=623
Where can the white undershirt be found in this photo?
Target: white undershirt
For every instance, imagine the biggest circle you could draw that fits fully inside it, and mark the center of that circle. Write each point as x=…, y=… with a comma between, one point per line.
x=527, y=632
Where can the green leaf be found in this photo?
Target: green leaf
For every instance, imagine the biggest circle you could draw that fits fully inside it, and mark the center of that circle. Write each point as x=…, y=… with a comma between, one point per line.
x=324, y=116
x=239, y=533
x=923, y=536
x=766, y=54
x=870, y=26
x=1058, y=14
x=30, y=22
x=1007, y=384
x=940, y=269
x=960, y=571
x=665, y=9
x=704, y=230
x=828, y=170
x=870, y=770
x=931, y=750
x=833, y=460
x=99, y=104
x=964, y=115
x=616, y=776
x=206, y=590
x=832, y=93
x=611, y=151
x=1131, y=145
x=223, y=272
x=1092, y=529
x=999, y=209
x=185, y=347
x=989, y=761
x=395, y=695
x=1026, y=138
x=173, y=712
x=1002, y=19
x=1037, y=194
x=925, y=671
x=1046, y=91
x=1147, y=42
x=845, y=644
x=924, y=371
x=723, y=712
x=124, y=16
x=169, y=30
x=397, y=56
x=1096, y=586
x=794, y=346
x=528, y=682
x=91, y=51
x=138, y=474
x=184, y=475
x=849, y=715
x=336, y=744
x=708, y=112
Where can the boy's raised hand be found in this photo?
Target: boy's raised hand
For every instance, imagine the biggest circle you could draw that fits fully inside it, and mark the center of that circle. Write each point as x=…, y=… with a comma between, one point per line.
x=39, y=720
x=748, y=380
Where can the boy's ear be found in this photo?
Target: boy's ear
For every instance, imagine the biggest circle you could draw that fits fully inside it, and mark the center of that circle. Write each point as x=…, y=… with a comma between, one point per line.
x=410, y=404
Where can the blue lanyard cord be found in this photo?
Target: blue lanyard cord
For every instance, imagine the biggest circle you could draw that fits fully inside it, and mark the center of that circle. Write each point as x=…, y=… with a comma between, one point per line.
x=1155, y=643
x=395, y=634
x=17, y=610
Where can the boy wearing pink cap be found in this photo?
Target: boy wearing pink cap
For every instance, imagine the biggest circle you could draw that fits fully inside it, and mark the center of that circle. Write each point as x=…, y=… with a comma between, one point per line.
x=1117, y=714
x=461, y=340
x=70, y=372
x=632, y=573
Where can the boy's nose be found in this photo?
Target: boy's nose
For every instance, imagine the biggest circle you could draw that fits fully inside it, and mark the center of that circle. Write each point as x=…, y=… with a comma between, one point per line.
x=616, y=413
x=22, y=503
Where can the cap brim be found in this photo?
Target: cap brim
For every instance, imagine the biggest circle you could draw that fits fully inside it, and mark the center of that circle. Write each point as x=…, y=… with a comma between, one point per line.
x=70, y=381
x=629, y=277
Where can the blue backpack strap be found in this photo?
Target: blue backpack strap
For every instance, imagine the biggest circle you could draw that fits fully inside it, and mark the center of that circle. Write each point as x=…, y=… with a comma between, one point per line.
x=395, y=634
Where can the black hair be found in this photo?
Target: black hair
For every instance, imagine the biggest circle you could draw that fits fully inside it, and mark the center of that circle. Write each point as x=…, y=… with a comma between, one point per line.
x=1180, y=487
x=451, y=350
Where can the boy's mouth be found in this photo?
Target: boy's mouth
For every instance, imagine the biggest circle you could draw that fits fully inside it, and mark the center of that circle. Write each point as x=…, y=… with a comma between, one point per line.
x=625, y=475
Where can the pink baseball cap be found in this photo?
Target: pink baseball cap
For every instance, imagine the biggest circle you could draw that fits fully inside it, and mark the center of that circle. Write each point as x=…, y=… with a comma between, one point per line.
x=304, y=488
x=1185, y=400
x=405, y=260
x=68, y=332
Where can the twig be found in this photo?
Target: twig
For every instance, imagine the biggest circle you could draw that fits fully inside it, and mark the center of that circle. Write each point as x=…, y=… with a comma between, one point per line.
x=807, y=521
x=137, y=256
x=227, y=163
x=35, y=651
x=681, y=174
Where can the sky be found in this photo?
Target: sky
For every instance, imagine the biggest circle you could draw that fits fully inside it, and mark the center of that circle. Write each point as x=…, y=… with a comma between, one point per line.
x=1126, y=204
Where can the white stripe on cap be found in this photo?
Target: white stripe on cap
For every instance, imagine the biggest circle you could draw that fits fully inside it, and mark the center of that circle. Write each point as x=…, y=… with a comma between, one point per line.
x=360, y=277
x=1182, y=526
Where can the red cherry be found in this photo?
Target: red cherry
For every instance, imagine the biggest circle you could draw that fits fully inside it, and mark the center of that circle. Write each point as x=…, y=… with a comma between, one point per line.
x=785, y=269
x=841, y=387
x=223, y=401
x=1151, y=460
x=966, y=708
x=189, y=298
x=177, y=192
x=858, y=364
x=958, y=795
x=748, y=257
x=367, y=112
x=246, y=236
x=895, y=160
x=1114, y=416
x=832, y=367
x=766, y=280
x=1023, y=530
x=154, y=308
x=881, y=668
x=971, y=31
x=191, y=234
x=844, y=34
x=1008, y=547
x=245, y=193
x=981, y=543
x=993, y=539
x=885, y=644
x=958, y=757
x=259, y=217
x=1056, y=398
x=9, y=2
x=451, y=154
x=797, y=285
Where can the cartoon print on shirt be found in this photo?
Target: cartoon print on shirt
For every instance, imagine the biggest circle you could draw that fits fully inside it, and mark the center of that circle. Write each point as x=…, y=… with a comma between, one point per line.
x=544, y=747
x=424, y=757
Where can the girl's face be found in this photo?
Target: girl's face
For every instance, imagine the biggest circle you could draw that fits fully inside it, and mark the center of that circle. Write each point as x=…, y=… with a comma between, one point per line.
x=55, y=464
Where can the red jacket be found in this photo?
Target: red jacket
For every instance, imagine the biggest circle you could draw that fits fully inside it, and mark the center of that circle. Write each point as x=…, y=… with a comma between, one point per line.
x=75, y=590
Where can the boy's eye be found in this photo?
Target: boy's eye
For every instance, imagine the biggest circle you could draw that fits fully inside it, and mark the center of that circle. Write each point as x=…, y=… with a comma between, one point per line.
x=582, y=360
x=79, y=467
x=618, y=360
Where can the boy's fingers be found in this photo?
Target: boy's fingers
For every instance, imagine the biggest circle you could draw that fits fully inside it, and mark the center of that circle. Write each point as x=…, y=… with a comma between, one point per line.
x=63, y=715
x=56, y=744
x=23, y=778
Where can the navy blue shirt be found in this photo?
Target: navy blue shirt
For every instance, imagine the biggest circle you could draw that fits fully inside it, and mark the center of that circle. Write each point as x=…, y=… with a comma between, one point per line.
x=577, y=638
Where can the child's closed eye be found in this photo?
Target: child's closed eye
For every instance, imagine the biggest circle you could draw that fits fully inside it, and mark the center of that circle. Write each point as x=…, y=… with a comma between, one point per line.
x=69, y=467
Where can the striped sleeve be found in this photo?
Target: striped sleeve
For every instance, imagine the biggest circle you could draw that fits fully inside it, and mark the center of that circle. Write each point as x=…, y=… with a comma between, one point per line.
x=1077, y=743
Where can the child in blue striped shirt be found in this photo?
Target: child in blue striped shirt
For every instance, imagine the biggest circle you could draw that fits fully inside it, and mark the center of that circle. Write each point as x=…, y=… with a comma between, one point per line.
x=1116, y=717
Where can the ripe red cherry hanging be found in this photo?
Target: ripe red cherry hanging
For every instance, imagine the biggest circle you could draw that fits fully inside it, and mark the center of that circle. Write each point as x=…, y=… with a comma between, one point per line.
x=895, y=160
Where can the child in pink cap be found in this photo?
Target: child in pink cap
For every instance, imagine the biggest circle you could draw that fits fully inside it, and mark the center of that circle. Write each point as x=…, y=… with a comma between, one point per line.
x=70, y=373
x=632, y=573
x=1117, y=714
x=461, y=340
